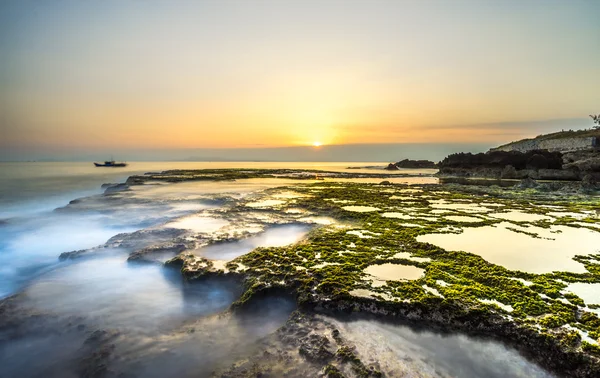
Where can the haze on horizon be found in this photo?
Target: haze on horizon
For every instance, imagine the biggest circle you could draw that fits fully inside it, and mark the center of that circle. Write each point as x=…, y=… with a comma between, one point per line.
x=83, y=78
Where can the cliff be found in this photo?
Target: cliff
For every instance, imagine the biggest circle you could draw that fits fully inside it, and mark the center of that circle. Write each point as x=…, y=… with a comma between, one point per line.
x=563, y=141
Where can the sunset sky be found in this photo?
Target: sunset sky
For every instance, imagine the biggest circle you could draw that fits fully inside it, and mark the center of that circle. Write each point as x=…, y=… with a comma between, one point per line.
x=94, y=75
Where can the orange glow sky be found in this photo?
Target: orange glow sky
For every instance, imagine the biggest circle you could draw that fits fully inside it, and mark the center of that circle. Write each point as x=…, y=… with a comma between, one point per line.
x=179, y=74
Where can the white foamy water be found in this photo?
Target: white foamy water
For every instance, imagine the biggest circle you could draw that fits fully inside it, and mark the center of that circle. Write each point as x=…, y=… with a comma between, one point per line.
x=276, y=236
x=111, y=291
x=33, y=234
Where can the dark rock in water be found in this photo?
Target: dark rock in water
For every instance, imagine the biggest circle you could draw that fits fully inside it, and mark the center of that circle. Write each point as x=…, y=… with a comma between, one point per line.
x=72, y=254
x=407, y=163
x=112, y=188
x=509, y=172
x=315, y=348
x=155, y=254
x=192, y=266
x=145, y=238
x=98, y=350
x=108, y=184
x=589, y=183
x=527, y=183
x=391, y=167
x=589, y=180
x=537, y=161
x=385, y=182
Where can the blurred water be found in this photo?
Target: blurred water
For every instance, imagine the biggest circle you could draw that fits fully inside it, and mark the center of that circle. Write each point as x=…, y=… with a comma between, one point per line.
x=111, y=292
x=31, y=187
x=276, y=236
x=402, y=351
x=162, y=325
x=33, y=234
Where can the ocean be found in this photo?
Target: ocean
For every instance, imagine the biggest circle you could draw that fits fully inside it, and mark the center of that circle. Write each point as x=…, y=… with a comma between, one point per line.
x=157, y=323
x=33, y=233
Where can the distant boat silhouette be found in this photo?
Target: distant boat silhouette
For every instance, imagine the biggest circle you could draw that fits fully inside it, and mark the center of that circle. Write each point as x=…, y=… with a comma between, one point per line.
x=110, y=163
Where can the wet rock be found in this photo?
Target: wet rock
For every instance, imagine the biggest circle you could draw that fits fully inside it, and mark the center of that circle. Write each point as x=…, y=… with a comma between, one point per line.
x=509, y=172
x=314, y=348
x=589, y=180
x=97, y=351
x=408, y=163
x=537, y=161
x=156, y=253
x=113, y=188
x=527, y=183
x=145, y=238
x=391, y=167
x=72, y=254
x=589, y=184
x=555, y=174
x=300, y=348
x=191, y=266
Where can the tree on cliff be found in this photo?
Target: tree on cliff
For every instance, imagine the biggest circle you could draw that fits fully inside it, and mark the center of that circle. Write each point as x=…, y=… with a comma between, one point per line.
x=596, y=119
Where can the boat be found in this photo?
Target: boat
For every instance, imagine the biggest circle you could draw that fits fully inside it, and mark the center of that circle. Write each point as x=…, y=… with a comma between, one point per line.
x=110, y=163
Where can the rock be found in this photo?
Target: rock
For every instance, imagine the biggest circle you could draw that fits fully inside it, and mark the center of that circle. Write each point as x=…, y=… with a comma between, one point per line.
x=194, y=267
x=407, y=163
x=589, y=183
x=500, y=159
x=315, y=348
x=113, y=188
x=509, y=172
x=391, y=167
x=385, y=182
x=584, y=161
x=494, y=164
x=555, y=174
x=589, y=180
x=527, y=183
x=72, y=254
x=108, y=184
x=156, y=253
x=537, y=161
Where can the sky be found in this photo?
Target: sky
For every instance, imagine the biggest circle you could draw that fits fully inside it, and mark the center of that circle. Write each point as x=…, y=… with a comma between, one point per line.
x=93, y=77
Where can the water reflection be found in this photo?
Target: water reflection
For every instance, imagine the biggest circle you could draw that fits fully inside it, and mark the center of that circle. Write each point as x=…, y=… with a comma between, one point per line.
x=510, y=246
x=394, y=272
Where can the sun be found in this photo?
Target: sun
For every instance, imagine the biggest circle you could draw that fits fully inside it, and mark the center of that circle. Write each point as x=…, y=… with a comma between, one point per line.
x=317, y=144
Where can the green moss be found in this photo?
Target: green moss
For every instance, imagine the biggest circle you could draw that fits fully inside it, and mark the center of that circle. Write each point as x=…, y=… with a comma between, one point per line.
x=571, y=339
x=590, y=348
x=331, y=264
x=331, y=371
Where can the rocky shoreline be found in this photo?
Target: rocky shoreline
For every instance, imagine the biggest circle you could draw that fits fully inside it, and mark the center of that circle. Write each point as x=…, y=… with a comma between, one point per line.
x=441, y=316
x=578, y=170
x=325, y=273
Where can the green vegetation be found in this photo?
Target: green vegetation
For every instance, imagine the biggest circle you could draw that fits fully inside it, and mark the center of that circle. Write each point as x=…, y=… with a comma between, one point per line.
x=330, y=264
